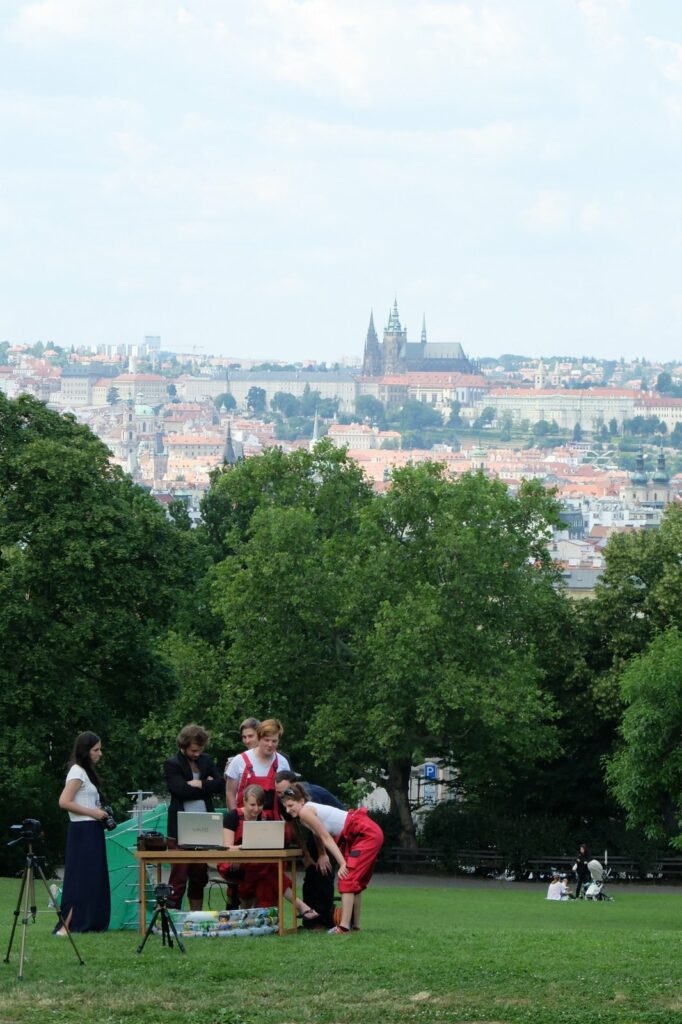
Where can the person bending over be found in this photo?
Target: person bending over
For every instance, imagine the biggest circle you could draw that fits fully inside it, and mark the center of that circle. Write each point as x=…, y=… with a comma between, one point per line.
x=192, y=780
x=318, y=877
x=351, y=837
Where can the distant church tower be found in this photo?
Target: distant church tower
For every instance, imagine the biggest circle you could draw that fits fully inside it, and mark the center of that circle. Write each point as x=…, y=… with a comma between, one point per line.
x=371, y=363
x=159, y=457
x=129, y=438
x=394, y=339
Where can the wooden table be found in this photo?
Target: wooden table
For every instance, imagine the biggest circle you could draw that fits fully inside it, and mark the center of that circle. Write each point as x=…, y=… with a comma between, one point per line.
x=278, y=857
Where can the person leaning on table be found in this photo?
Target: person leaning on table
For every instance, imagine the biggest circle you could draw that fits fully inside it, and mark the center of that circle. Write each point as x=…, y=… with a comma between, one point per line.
x=192, y=780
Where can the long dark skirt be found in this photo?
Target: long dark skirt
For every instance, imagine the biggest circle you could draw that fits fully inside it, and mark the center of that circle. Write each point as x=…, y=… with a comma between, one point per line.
x=86, y=878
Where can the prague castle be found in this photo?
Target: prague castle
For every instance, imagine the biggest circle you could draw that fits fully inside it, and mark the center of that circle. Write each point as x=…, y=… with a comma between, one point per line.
x=396, y=355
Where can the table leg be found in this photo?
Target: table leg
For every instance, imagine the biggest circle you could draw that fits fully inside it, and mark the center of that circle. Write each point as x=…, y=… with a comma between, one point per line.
x=143, y=898
x=294, y=913
x=280, y=896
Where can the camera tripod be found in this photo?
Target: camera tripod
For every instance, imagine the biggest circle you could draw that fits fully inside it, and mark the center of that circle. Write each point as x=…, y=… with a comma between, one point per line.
x=168, y=929
x=27, y=902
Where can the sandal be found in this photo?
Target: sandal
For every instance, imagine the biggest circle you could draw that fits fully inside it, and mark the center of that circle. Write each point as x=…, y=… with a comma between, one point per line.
x=309, y=914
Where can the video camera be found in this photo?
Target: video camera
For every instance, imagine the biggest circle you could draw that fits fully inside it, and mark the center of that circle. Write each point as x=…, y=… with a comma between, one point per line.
x=163, y=893
x=29, y=831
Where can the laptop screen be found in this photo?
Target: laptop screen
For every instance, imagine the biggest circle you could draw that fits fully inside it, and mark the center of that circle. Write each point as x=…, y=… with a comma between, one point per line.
x=263, y=835
x=200, y=828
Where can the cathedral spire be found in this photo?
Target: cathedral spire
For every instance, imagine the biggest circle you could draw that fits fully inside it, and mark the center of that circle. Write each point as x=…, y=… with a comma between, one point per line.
x=371, y=363
x=229, y=457
x=393, y=318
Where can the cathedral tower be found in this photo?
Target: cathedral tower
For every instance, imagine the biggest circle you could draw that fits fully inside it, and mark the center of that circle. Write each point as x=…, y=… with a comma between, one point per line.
x=394, y=340
x=371, y=363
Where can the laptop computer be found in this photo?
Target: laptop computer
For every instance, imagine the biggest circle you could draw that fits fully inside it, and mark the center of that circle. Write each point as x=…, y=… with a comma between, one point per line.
x=200, y=830
x=263, y=835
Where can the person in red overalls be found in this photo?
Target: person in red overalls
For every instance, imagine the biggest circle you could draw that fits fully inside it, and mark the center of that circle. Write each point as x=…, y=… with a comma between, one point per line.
x=258, y=887
x=258, y=766
x=352, y=838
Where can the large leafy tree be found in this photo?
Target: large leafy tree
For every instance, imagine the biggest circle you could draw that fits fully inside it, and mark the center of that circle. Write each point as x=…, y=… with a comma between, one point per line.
x=646, y=771
x=90, y=570
x=640, y=593
x=384, y=629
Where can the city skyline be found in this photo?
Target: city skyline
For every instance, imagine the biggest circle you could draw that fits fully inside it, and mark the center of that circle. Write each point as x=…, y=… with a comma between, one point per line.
x=255, y=179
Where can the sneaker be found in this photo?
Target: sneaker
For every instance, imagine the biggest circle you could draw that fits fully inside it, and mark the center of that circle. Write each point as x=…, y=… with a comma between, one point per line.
x=338, y=930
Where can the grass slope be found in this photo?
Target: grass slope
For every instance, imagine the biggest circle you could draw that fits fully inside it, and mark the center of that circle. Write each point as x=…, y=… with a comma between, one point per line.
x=491, y=956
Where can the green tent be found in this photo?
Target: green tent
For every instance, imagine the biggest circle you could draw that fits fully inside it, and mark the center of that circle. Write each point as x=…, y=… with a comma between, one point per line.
x=123, y=867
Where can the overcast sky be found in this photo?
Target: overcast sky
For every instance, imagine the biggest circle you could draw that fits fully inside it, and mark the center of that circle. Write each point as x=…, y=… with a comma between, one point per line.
x=252, y=177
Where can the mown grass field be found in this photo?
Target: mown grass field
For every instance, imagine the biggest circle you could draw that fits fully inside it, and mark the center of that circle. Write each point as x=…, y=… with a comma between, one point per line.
x=498, y=954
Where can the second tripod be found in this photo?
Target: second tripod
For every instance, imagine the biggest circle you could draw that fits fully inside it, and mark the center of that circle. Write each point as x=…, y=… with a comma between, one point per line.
x=161, y=914
x=26, y=903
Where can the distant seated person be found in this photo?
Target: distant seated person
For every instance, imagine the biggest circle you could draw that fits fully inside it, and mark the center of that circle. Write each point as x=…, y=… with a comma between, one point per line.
x=566, y=893
x=318, y=879
x=556, y=888
x=258, y=766
x=257, y=886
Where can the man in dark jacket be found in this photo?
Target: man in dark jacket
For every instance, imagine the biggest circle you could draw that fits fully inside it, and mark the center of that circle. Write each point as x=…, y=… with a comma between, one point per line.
x=192, y=780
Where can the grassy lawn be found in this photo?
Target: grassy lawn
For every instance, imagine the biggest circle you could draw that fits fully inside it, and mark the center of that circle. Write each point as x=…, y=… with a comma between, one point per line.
x=467, y=954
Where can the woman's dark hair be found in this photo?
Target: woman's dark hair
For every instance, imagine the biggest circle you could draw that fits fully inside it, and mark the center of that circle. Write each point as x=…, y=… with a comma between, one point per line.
x=295, y=792
x=80, y=755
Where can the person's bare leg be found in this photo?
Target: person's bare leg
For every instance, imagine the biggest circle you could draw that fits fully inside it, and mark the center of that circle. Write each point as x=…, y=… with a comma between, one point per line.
x=357, y=907
x=303, y=908
x=347, y=904
x=67, y=922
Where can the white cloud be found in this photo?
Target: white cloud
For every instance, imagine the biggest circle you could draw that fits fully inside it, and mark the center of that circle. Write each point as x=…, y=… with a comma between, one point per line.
x=669, y=57
x=548, y=212
x=603, y=19
x=594, y=216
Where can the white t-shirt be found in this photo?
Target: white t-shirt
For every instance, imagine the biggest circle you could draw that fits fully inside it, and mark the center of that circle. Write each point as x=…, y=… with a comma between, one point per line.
x=333, y=818
x=555, y=891
x=87, y=795
x=237, y=765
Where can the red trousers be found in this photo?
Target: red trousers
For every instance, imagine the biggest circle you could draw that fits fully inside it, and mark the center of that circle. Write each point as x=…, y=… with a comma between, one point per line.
x=360, y=843
x=259, y=883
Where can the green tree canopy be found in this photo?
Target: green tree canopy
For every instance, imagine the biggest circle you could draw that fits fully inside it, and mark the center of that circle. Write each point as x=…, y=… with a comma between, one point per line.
x=285, y=403
x=226, y=399
x=387, y=628
x=256, y=400
x=645, y=774
x=370, y=408
x=90, y=571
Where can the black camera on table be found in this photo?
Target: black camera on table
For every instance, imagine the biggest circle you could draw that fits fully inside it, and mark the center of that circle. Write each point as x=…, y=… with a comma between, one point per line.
x=109, y=822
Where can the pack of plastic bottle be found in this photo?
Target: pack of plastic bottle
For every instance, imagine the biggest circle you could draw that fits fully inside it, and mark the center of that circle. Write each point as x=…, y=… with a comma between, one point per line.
x=227, y=923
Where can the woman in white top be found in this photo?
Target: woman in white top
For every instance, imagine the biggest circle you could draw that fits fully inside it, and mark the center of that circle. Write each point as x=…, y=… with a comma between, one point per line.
x=351, y=837
x=86, y=902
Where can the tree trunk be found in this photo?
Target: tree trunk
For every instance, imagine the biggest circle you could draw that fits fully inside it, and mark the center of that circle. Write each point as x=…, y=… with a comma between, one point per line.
x=397, y=786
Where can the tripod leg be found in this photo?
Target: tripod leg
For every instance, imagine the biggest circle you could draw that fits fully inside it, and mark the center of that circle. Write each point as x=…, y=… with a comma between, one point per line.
x=28, y=888
x=149, y=929
x=16, y=915
x=170, y=924
x=62, y=922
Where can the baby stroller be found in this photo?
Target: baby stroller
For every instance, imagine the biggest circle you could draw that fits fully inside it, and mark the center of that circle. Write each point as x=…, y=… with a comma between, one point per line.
x=595, y=889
